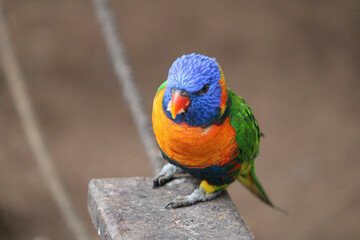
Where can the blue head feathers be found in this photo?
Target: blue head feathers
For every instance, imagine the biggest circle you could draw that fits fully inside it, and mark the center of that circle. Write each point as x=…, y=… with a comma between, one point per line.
x=198, y=76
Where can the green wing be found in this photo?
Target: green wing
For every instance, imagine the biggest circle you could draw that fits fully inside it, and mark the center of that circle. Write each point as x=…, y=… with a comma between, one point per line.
x=246, y=127
x=248, y=138
x=162, y=86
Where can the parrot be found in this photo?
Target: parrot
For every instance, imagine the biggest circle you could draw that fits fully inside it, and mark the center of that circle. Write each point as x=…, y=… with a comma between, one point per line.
x=206, y=130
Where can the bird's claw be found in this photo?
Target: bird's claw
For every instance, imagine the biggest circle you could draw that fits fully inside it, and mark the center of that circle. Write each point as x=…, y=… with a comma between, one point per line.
x=198, y=195
x=159, y=181
x=178, y=202
x=164, y=176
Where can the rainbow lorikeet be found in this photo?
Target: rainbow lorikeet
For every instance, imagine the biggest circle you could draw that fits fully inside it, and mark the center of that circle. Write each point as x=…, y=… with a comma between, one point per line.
x=206, y=130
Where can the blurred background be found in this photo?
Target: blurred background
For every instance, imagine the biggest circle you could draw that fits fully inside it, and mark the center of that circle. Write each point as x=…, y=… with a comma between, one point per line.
x=295, y=62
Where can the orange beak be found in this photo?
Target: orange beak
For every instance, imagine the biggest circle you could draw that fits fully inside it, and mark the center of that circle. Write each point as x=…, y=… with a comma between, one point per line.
x=178, y=104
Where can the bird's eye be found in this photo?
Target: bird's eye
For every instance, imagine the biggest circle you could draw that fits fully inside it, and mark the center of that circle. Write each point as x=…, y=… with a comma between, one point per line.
x=204, y=90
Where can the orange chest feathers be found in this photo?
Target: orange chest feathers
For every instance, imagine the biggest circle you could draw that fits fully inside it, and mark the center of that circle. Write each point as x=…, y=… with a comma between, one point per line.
x=193, y=147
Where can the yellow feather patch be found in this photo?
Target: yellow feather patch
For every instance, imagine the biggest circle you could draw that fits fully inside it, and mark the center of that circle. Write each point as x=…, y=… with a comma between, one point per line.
x=211, y=188
x=224, y=97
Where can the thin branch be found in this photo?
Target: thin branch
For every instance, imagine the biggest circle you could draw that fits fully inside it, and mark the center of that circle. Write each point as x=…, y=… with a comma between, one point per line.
x=126, y=80
x=34, y=137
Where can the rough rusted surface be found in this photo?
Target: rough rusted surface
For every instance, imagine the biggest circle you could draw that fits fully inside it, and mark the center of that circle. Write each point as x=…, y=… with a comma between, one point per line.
x=128, y=208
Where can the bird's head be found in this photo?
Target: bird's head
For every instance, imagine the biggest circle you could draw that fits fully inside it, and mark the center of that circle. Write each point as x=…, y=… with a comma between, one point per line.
x=195, y=93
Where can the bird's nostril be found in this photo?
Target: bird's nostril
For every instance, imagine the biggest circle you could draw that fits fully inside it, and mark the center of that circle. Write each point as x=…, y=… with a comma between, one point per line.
x=184, y=93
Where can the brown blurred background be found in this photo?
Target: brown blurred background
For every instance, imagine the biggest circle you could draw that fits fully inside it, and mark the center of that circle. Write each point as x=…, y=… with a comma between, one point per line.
x=295, y=62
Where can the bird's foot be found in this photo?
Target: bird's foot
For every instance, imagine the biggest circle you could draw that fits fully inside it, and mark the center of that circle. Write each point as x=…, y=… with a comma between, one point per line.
x=165, y=175
x=198, y=195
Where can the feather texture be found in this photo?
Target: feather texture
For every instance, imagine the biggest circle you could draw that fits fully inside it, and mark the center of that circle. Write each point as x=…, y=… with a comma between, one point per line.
x=217, y=138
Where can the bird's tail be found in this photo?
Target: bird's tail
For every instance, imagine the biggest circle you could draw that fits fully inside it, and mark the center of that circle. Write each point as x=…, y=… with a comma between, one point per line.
x=251, y=182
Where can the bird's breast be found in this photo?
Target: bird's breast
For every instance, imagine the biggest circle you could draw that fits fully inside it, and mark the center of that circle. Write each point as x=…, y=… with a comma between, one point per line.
x=193, y=147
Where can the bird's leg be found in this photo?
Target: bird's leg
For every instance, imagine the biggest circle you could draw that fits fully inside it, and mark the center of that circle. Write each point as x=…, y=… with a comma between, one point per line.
x=179, y=170
x=165, y=175
x=204, y=192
